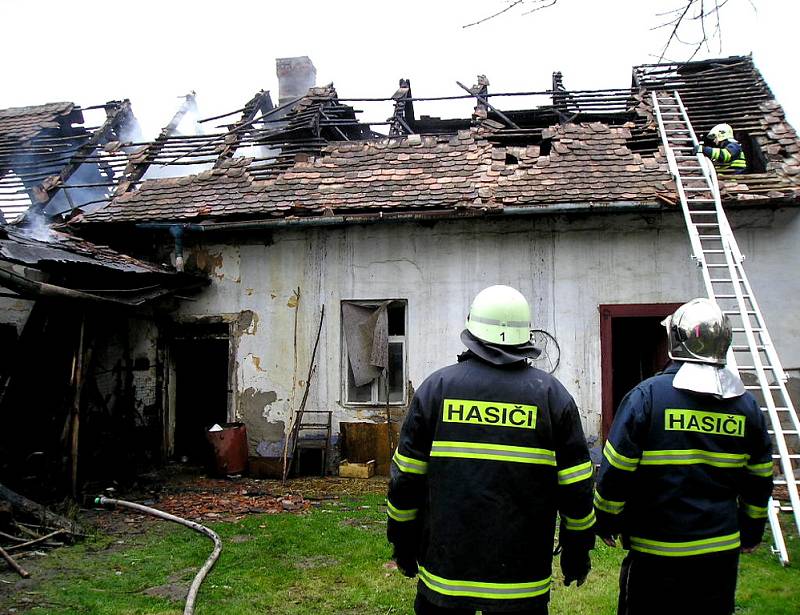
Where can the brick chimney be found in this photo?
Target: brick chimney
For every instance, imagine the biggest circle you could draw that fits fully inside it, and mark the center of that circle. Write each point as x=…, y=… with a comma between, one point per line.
x=295, y=77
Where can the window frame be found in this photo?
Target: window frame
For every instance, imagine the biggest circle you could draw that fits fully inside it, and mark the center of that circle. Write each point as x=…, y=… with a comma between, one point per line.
x=374, y=400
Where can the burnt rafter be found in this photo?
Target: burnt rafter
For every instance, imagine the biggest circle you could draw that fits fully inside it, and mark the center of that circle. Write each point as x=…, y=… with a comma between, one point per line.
x=118, y=113
x=141, y=161
x=563, y=100
x=403, y=110
x=481, y=92
x=260, y=103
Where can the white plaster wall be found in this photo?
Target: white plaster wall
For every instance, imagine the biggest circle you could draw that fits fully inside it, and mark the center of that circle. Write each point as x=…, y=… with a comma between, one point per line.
x=566, y=266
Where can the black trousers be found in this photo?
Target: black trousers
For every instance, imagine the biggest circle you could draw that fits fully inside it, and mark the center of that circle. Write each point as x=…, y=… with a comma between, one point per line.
x=422, y=606
x=696, y=585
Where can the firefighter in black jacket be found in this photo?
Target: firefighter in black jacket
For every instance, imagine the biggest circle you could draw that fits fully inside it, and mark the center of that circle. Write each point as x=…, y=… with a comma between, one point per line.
x=686, y=475
x=490, y=451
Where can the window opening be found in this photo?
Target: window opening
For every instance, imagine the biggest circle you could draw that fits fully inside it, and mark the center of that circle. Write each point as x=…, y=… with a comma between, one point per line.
x=374, y=351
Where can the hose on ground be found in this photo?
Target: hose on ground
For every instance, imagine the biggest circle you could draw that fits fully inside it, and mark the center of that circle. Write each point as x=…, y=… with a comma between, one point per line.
x=201, y=575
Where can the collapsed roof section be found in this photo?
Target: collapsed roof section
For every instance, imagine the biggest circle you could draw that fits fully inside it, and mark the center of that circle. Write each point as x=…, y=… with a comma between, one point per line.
x=51, y=160
x=55, y=265
x=313, y=157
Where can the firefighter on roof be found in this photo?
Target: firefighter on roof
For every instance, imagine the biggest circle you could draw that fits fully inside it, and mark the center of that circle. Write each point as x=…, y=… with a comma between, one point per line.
x=490, y=451
x=728, y=156
x=686, y=475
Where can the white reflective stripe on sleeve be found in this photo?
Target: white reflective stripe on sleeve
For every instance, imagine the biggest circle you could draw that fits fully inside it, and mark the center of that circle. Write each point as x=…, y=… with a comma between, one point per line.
x=400, y=515
x=579, y=524
x=574, y=474
x=409, y=464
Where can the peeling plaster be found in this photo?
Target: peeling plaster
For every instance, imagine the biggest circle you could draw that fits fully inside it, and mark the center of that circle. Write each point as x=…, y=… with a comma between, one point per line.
x=208, y=262
x=253, y=411
x=247, y=322
x=256, y=361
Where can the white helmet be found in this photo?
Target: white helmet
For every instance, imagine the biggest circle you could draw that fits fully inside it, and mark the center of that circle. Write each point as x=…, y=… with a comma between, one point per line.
x=500, y=315
x=720, y=133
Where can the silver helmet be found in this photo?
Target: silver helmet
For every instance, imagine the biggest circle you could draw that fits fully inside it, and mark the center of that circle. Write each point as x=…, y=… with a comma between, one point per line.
x=699, y=332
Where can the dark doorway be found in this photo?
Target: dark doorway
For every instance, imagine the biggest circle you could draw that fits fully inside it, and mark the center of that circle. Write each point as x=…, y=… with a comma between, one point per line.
x=633, y=347
x=201, y=388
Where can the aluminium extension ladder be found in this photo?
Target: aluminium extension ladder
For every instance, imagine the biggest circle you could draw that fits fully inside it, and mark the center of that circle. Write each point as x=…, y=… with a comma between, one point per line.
x=718, y=257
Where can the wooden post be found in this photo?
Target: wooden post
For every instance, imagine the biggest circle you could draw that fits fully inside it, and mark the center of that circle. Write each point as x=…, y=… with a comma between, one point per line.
x=19, y=569
x=82, y=358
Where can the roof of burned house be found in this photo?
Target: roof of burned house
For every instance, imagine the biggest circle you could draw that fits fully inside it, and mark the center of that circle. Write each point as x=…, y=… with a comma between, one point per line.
x=19, y=124
x=588, y=149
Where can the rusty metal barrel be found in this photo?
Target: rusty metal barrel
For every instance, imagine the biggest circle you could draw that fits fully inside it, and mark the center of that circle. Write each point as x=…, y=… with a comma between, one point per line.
x=229, y=446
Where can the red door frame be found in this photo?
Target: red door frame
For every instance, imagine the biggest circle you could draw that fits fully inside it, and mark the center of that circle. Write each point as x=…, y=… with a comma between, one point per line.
x=607, y=313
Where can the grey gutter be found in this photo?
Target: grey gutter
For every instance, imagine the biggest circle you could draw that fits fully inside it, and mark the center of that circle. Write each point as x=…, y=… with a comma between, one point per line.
x=616, y=207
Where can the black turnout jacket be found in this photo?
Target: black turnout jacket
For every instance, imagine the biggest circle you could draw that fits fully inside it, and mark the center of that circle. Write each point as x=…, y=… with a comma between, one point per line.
x=684, y=473
x=489, y=453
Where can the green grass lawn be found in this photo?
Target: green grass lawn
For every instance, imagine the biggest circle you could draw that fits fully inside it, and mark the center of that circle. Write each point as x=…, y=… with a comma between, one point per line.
x=331, y=560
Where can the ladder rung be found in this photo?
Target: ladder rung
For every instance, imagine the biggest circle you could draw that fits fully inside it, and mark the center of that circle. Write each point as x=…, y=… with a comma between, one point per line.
x=756, y=387
x=714, y=251
x=791, y=432
x=742, y=329
x=751, y=368
x=730, y=297
x=702, y=201
x=716, y=265
x=746, y=348
x=706, y=224
x=776, y=456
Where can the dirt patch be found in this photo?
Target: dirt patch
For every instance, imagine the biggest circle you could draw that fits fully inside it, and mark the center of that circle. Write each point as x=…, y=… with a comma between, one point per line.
x=315, y=561
x=171, y=591
x=240, y=538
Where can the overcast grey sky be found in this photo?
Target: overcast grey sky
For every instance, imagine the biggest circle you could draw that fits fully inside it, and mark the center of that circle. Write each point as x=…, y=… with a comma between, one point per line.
x=91, y=51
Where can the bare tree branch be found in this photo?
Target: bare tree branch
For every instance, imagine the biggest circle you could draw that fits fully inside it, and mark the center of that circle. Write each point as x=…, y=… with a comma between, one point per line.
x=508, y=8
x=539, y=8
x=696, y=18
x=543, y=4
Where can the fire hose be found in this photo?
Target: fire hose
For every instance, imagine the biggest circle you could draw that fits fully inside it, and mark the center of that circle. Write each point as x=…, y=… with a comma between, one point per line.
x=201, y=575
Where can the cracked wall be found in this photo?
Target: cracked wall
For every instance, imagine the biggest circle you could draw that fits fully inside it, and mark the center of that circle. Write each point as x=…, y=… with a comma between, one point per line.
x=566, y=266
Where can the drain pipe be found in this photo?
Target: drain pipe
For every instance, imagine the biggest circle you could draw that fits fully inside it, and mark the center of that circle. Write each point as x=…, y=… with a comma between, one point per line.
x=212, y=559
x=176, y=230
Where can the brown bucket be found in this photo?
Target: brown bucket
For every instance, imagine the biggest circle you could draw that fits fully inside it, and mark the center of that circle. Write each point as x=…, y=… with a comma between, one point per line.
x=229, y=448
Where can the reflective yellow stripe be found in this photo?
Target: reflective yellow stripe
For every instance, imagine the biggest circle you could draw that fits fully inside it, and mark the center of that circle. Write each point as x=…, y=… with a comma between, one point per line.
x=690, y=547
x=621, y=462
x=609, y=506
x=481, y=589
x=754, y=512
x=400, y=515
x=493, y=452
x=579, y=524
x=760, y=469
x=409, y=464
x=693, y=456
x=580, y=472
